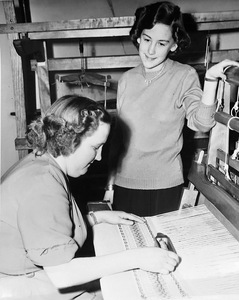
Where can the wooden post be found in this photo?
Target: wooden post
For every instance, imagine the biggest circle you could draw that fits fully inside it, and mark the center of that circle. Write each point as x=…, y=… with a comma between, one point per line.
x=43, y=83
x=17, y=75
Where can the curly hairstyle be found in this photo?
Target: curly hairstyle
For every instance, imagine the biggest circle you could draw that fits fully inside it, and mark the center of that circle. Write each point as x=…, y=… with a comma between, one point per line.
x=67, y=121
x=160, y=12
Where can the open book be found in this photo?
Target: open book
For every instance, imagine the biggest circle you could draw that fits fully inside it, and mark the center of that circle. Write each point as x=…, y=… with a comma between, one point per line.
x=209, y=267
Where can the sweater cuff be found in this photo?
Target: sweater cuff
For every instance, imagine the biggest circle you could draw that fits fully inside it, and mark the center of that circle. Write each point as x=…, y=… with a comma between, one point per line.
x=205, y=114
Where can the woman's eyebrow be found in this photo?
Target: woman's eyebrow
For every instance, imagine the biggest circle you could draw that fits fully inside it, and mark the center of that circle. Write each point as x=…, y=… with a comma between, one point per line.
x=166, y=41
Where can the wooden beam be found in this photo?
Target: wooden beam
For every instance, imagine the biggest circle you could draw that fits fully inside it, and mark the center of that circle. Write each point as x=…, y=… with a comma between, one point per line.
x=205, y=17
x=220, y=55
x=80, y=33
x=100, y=62
x=230, y=18
x=217, y=26
x=115, y=22
x=129, y=61
x=111, y=32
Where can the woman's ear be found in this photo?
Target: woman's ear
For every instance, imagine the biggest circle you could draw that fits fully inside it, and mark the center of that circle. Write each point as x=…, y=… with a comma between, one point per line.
x=138, y=40
x=174, y=47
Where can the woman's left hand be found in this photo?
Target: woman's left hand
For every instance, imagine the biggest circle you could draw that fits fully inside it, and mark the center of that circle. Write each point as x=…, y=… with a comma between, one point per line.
x=117, y=217
x=217, y=71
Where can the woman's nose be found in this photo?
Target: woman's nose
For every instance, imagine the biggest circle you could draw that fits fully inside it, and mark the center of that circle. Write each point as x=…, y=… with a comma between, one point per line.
x=99, y=154
x=151, y=49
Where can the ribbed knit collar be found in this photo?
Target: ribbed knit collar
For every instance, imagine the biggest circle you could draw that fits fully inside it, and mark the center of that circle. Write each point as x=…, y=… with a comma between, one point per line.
x=151, y=76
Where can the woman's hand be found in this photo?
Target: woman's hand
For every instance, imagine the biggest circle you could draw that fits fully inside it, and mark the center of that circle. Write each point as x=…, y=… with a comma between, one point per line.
x=155, y=259
x=217, y=71
x=117, y=217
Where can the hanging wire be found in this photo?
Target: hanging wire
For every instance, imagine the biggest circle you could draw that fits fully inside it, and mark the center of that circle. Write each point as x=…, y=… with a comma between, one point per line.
x=207, y=52
x=235, y=108
x=220, y=95
x=105, y=85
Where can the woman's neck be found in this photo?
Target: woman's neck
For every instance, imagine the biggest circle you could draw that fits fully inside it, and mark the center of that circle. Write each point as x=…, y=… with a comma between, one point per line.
x=156, y=69
x=153, y=74
x=60, y=160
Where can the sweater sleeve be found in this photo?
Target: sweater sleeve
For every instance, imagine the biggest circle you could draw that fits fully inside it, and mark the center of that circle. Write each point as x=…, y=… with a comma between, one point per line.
x=44, y=220
x=120, y=90
x=200, y=117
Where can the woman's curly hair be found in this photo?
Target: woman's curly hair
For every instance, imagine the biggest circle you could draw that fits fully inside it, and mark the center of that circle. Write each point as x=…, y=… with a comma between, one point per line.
x=66, y=122
x=163, y=12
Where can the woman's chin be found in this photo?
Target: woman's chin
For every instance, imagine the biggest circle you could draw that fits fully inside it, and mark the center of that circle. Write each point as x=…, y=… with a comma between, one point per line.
x=83, y=172
x=80, y=173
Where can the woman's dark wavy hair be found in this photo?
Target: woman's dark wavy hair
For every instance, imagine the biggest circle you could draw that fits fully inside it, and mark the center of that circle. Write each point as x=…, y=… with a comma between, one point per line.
x=163, y=12
x=67, y=121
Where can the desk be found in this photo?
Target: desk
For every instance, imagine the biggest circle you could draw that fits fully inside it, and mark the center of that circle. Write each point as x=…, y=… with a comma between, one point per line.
x=210, y=258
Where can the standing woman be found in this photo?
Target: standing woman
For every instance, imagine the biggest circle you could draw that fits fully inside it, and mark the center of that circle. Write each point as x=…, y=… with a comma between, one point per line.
x=42, y=229
x=154, y=99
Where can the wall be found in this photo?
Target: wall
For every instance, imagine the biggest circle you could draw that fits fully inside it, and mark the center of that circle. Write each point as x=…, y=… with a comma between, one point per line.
x=46, y=10
x=53, y=10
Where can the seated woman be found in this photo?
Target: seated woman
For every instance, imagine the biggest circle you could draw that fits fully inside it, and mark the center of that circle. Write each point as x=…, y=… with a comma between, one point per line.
x=41, y=226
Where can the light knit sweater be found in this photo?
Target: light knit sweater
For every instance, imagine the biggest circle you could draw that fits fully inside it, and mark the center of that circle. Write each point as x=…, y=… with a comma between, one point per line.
x=155, y=115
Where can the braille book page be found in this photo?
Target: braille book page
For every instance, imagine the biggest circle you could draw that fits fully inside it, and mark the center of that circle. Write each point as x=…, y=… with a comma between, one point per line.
x=209, y=253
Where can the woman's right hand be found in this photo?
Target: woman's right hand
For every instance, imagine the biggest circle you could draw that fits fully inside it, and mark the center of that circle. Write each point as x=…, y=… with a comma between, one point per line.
x=217, y=71
x=155, y=259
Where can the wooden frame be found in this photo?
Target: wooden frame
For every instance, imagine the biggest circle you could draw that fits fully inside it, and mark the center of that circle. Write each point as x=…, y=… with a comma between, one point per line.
x=115, y=27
